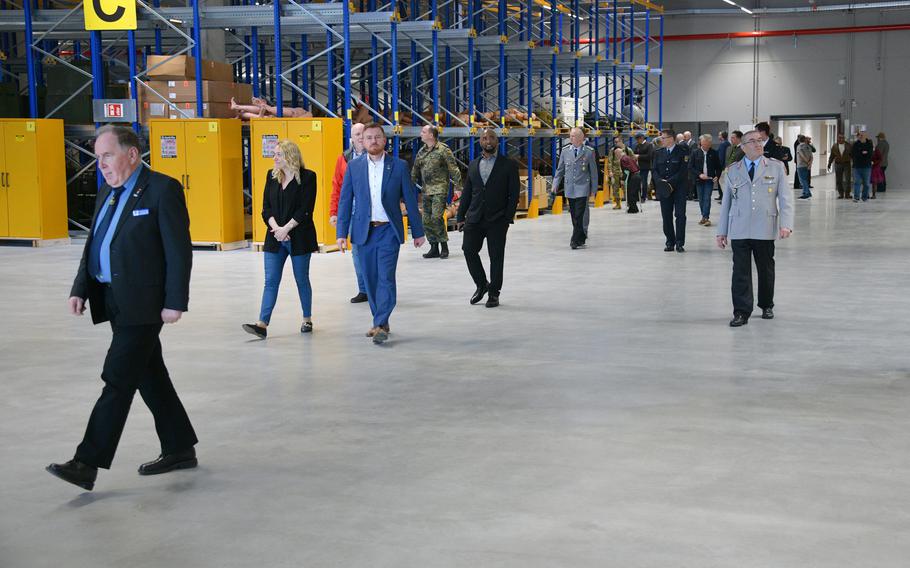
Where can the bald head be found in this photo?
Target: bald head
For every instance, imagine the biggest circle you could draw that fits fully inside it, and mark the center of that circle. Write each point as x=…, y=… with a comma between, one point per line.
x=577, y=137
x=357, y=137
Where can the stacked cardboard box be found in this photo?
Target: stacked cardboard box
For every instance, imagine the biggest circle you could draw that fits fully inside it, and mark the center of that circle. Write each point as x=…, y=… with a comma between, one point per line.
x=174, y=83
x=539, y=184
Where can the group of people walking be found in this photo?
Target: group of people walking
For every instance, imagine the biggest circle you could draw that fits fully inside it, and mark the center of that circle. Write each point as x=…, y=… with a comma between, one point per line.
x=135, y=268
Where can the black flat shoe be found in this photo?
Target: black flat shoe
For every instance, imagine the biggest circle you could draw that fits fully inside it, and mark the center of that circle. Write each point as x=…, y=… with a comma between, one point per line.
x=75, y=472
x=492, y=301
x=767, y=314
x=359, y=298
x=479, y=294
x=668, y=248
x=255, y=329
x=307, y=327
x=738, y=320
x=680, y=248
x=181, y=460
x=573, y=246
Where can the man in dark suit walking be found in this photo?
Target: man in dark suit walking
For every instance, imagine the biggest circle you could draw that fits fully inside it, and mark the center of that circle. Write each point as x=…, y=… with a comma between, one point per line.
x=487, y=208
x=377, y=183
x=135, y=273
x=670, y=174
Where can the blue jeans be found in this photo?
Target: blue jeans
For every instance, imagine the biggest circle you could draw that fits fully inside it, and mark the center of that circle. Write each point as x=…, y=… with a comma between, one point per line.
x=274, y=266
x=861, y=178
x=803, y=174
x=355, y=254
x=704, y=189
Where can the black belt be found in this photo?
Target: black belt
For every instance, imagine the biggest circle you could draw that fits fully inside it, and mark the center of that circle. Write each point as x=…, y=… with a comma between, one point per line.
x=378, y=223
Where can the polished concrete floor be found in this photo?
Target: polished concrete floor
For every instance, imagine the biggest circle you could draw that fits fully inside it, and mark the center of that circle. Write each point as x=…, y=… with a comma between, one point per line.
x=604, y=416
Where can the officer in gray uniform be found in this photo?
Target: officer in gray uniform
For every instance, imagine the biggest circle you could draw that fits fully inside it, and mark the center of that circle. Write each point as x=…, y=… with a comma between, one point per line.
x=757, y=208
x=578, y=167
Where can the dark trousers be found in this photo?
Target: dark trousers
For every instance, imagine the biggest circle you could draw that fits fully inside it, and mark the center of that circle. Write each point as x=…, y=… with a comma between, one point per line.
x=884, y=185
x=843, y=179
x=134, y=362
x=645, y=173
x=633, y=191
x=578, y=206
x=495, y=235
x=744, y=250
x=670, y=206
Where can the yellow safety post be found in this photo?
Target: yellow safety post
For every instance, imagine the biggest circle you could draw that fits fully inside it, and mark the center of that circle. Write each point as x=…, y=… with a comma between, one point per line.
x=533, y=209
x=599, y=199
x=557, y=205
x=404, y=221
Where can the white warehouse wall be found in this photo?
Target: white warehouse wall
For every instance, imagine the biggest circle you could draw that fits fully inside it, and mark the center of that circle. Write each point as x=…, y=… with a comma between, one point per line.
x=712, y=80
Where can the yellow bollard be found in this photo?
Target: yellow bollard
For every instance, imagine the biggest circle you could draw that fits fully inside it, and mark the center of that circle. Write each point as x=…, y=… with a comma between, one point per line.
x=599, y=199
x=557, y=205
x=404, y=221
x=533, y=209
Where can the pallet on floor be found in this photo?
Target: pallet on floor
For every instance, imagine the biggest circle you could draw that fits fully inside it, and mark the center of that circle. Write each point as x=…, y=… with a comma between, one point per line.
x=34, y=243
x=221, y=246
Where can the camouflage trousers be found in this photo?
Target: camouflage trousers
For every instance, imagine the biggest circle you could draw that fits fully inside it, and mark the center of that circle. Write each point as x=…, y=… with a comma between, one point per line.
x=433, y=223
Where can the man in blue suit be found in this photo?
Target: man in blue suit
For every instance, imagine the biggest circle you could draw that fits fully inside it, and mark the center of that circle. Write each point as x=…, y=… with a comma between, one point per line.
x=377, y=183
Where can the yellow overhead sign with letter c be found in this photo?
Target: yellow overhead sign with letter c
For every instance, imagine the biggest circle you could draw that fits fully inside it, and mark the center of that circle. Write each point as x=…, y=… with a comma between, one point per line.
x=109, y=14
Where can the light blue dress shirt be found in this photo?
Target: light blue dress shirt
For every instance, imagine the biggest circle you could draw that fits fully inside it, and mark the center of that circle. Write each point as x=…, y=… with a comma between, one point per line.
x=105, y=275
x=749, y=163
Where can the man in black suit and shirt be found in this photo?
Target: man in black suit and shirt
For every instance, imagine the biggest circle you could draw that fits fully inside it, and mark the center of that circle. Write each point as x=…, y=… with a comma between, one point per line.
x=487, y=208
x=670, y=173
x=135, y=273
x=771, y=149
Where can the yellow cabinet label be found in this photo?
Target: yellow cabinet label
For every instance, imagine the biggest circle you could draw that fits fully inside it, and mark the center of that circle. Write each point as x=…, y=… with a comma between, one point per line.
x=317, y=126
x=213, y=127
x=29, y=126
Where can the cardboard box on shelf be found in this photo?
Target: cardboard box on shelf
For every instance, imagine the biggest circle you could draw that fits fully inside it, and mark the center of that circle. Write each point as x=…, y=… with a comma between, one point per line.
x=177, y=91
x=243, y=92
x=164, y=67
x=149, y=109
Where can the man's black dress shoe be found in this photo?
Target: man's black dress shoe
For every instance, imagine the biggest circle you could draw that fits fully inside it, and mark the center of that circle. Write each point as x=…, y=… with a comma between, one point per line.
x=479, y=294
x=359, y=298
x=492, y=301
x=668, y=248
x=573, y=246
x=181, y=460
x=75, y=472
x=255, y=329
x=738, y=320
x=680, y=248
x=767, y=314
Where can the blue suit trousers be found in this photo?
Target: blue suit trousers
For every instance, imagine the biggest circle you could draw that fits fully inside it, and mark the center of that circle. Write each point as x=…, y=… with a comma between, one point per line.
x=378, y=259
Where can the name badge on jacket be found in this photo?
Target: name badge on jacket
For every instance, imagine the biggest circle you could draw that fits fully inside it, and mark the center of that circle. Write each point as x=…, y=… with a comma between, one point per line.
x=140, y=212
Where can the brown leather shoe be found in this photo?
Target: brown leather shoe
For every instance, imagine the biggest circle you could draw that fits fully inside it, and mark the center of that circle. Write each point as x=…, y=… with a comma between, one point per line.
x=374, y=330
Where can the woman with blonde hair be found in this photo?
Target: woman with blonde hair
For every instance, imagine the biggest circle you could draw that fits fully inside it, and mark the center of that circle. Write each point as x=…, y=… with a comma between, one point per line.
x=287, y=209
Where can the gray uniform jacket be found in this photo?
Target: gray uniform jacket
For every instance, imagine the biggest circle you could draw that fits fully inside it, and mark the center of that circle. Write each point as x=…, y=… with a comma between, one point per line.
x=580, y=173
x=885, y=149
x=756, y=208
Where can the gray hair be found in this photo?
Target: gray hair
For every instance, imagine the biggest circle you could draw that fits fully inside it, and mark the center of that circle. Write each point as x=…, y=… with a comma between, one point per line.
x=707, y=137
x=126, y=136
x=576, y=129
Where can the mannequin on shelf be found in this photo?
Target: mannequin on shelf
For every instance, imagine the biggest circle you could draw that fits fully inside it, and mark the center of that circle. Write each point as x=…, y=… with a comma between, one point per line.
x=259, y=108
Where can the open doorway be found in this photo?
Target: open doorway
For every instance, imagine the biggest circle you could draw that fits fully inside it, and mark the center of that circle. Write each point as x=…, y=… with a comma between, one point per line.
x=822, y=128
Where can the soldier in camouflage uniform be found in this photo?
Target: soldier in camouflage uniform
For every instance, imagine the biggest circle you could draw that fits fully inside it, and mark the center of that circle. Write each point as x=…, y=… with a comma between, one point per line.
x=615, y=176
x=433, y=167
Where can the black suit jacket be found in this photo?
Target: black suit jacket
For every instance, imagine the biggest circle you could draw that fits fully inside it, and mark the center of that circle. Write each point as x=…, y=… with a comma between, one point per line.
x=670, y=168
x=772, y=150
x=297, y=202
x=493, y=201
x=151, y=254
x=697, y=163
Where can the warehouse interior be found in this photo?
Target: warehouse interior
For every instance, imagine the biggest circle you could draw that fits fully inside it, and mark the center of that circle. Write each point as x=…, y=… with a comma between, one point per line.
x=604, y=415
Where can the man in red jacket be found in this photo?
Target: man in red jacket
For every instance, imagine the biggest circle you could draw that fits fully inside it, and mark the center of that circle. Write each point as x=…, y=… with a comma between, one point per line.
x=341, y=166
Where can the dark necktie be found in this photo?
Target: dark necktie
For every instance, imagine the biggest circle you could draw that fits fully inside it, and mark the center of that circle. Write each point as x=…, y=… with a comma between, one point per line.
x=576, y=152
x=752, y=170
x=94, y=255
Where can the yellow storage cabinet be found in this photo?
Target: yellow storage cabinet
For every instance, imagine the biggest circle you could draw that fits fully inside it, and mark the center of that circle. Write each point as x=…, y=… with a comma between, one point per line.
x=32, y=179
x=205, y=156
x=321, y=141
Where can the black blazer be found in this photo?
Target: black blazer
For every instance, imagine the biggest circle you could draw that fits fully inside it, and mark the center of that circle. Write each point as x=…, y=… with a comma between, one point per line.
x=697, y=163
x=495, y=201
x=297, y=202
x=670, y=168
x=151, y=254
x=772, y=150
